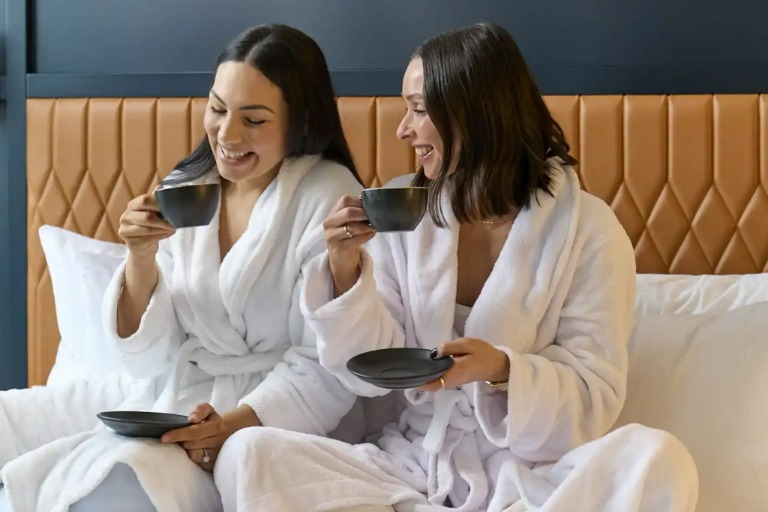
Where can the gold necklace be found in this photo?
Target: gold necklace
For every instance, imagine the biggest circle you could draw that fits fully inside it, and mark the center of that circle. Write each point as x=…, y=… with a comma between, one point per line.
x=495, y=221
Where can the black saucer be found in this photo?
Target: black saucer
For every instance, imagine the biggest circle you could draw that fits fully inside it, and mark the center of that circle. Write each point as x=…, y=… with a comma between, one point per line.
x=398, y=368
x=142, y=424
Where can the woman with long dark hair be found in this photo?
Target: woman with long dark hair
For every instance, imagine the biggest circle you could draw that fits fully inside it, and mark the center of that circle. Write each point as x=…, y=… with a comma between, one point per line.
x=207, y=318
x=520, y=277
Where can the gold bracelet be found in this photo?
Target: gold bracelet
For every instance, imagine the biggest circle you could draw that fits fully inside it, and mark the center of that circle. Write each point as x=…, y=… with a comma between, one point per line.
x=501, y=385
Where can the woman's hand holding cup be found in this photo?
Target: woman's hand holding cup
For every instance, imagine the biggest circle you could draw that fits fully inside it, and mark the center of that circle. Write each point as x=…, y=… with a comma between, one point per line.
x=346, y=231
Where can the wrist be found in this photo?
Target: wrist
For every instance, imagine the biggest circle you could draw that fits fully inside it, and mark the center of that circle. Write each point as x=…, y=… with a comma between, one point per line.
x=501, y=374
x=345, y=271
x=141, y=261
x=240, y=418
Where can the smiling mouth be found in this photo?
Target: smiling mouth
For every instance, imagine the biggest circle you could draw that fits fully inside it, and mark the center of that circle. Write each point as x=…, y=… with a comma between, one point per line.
x=234, y=155
x=424, y=151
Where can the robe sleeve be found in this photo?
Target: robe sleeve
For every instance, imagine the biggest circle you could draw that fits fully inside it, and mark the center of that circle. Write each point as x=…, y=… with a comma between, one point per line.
x=370, y=316
x=573, y=390
x=299, y=394
x=147, y=352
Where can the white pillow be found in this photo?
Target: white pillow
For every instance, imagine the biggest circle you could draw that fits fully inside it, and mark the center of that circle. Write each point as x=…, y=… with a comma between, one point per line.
x=80, y=268
x=704, y=378
x=686, y=294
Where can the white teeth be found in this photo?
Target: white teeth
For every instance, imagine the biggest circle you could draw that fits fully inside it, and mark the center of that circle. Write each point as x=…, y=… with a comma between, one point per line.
x=233, y=156
x=424, y=150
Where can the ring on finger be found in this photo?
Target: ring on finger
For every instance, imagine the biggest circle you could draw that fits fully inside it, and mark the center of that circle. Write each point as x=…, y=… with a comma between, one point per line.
x=206, y=458
x=346, y=230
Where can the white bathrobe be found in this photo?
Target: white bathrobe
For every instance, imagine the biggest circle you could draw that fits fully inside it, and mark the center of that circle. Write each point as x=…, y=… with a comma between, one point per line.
x=559, y=303
x=228, y=333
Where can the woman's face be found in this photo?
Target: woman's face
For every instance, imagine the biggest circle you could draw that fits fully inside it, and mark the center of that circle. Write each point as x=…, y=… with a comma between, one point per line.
x=416, y=126
x=246, y=121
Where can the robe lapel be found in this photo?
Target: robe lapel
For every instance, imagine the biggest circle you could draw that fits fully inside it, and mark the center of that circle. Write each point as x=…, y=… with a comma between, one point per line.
x=247, y=259
x=514, y=299
x=432, y=268
x=217, y=291
x=196, y=265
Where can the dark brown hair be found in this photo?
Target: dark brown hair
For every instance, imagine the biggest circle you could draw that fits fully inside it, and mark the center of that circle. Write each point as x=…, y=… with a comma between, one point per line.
x=294, y=62
x=488, y=110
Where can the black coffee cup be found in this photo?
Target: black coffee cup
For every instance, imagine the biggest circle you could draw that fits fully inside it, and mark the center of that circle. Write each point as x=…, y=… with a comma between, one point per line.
x=188, y=206
x=394, y=209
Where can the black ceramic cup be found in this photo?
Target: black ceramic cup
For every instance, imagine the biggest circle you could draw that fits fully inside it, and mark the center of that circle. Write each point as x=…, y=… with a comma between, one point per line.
x=394, y=209
x=188, y=206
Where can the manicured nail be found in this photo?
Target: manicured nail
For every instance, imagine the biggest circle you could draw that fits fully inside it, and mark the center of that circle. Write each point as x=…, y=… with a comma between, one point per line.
x=433, y=354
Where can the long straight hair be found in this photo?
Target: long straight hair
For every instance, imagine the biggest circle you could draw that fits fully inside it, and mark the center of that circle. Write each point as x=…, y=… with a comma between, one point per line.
x=492, y=119
x=295, y=63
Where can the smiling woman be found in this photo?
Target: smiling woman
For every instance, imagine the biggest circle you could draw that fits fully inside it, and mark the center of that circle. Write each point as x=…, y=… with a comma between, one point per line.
x=208, y=318
x=290, y=97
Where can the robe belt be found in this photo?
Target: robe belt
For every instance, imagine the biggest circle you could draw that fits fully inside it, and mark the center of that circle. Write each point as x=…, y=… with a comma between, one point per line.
x=226, y=370
x=451, y=446
x=219, y=365
x=447, y=414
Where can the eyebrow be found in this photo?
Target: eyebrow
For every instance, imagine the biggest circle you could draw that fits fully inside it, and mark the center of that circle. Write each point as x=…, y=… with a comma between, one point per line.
x=414, y=96
x=246, y=107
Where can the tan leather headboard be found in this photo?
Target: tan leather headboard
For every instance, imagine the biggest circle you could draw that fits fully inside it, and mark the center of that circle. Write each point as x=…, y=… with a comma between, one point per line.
x=686, y=175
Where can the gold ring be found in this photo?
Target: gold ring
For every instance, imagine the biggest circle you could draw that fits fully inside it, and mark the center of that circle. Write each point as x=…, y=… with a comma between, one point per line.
x=346, y=230
x=442, y=383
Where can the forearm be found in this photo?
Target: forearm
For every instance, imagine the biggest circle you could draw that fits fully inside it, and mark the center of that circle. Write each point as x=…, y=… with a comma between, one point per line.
x=364, y=318
x=141, y=277
x=552, y=404
x=345, y=272
x=240, y=418
x=298, y=395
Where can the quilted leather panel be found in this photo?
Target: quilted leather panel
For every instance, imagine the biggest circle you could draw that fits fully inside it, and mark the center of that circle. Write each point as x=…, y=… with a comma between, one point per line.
x=686, y=175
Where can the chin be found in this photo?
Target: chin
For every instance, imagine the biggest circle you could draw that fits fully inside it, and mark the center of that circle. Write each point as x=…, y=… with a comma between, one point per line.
x=432, y=172
x=234, y=175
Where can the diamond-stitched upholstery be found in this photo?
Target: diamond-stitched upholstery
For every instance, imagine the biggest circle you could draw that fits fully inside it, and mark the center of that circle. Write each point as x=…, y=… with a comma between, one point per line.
x=686, y=175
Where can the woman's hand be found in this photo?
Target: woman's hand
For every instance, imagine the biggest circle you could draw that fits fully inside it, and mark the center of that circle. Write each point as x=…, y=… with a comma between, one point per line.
x=141, y=228
x=474, y=360
x=203, y=440
x=346, y=230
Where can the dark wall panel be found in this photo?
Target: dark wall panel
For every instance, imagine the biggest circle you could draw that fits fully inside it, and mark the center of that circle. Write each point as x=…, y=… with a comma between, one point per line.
x=2, y=38
x=13, y=202
x=651, y=41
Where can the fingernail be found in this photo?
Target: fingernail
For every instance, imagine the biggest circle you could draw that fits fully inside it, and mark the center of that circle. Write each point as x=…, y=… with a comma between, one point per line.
x=433, y=354
x=163, y=439
x=193, y=417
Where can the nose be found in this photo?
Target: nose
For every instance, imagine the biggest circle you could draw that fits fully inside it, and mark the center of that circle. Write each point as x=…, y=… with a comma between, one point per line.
x=230, y=132
x=404, y=129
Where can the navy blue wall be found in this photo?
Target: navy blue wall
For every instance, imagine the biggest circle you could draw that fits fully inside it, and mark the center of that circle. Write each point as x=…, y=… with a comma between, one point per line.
x=594, y=46
x=167, y=48
x=13, y=215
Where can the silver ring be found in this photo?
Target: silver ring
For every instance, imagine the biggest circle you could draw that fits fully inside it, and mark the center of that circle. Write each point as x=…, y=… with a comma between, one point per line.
x=346, y=230
x=206, y=457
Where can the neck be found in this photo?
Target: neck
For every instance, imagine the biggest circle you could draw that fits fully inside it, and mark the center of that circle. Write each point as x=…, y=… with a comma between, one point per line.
x=250, y=187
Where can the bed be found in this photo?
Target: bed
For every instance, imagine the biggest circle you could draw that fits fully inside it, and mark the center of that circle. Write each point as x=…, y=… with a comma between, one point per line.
x=686, y=175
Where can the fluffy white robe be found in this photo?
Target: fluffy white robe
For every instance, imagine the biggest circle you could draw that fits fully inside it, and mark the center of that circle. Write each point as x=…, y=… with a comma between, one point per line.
x=227, y=332
x=559, y=303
